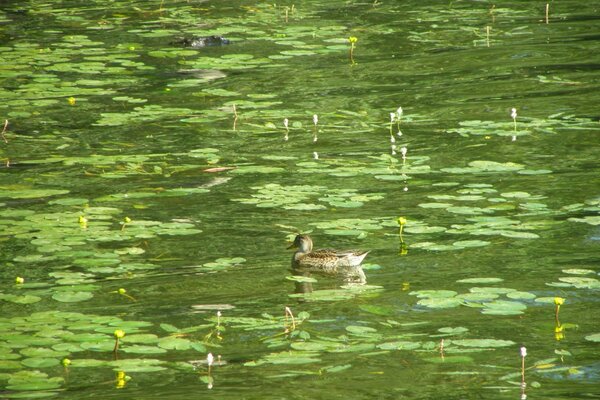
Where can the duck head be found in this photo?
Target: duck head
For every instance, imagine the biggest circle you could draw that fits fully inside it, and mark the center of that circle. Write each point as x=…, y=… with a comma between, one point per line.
x=303, y=243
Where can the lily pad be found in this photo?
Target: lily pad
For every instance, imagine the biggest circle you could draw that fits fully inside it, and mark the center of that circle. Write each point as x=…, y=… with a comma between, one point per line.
x=72, y=297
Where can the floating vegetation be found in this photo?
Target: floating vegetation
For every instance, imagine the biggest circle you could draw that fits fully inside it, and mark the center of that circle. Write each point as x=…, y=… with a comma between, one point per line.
x=484, y=298
x=553, y=124
x=144, y=114
x=108, y=184
x=43, y=339
x=347, y=292
x=301, y=197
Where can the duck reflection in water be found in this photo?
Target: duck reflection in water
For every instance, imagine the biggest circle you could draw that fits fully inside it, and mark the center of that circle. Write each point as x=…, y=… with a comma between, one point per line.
x=341, y=263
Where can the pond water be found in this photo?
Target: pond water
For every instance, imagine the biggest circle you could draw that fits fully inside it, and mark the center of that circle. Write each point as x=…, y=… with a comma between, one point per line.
x=150, y=189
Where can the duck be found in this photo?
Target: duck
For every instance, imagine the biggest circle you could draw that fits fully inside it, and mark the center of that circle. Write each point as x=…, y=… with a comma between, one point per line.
x=324, y=260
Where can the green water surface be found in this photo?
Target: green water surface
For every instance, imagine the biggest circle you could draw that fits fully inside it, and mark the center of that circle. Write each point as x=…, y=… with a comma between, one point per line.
x=152, y=188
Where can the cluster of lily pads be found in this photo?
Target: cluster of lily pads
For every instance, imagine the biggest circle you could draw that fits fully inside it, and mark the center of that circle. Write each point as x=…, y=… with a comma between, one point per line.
x=69, y=235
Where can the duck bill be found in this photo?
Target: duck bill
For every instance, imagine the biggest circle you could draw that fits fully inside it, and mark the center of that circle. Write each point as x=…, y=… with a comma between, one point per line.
x=291, y=246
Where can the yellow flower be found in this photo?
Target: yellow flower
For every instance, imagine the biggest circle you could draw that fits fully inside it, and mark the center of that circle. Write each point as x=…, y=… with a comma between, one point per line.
x=119, y=333
x=122, y=379
x=127, y=220
x=559, y=301
x=353, y=39
x=401, y=221
x=19, y=280
x=122, y=291
x=82, y=220
x=559, y=333
x=71, y=101
x=66, y=362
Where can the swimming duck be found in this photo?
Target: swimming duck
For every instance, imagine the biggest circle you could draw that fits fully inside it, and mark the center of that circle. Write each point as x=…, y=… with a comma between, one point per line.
x=325, y=260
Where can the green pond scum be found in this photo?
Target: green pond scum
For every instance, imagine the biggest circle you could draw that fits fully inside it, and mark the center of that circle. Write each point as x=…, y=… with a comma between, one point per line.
x=157, y=158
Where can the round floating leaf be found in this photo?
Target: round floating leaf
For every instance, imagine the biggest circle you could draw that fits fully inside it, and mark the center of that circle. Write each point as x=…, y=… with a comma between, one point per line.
x=578, y=271
x=470, y=243
x=593, y=338
x=139, y=349
x=138, y=365
x=433, y=293
x=453, y=331
x=42, y=352
x=312, y=346
x=40, y=362
x=101, y=346
x=174, y=343
x=33, y=383
x=291, y=358
x=31, y=193
x=482, y=343
x=88, y=363
x=516, y=295
x=9, y=364
x=592, y=220
x=519, y=234
x=399, y=345
x=503, y=307
x=440, y=302
x=545, y=300
x=25, y=299
x=581, y=282
x=449, y=359
x=72, y=297
x=360, y=330
x=477, y=297
x=435, y=205
x=498, y=290
x=516, y=195
x=424, y=229
x=143, y=338
x=256, y=169
x=480, y=280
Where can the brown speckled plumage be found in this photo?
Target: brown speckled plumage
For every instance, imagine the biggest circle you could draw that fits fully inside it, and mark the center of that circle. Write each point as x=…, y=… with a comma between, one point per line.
x=324, y=260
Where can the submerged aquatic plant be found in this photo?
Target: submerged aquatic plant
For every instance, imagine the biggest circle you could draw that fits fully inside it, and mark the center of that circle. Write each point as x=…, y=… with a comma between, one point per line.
x=392, y=119
x=513, y=115
x=523, y=351
x=399, y=113
x=216, y=332
x=3, y=131
x=287, y=129
x=209, y=361
x=123, y=293
x=126, y=221
x=289, y=328
x=352, y=40
x=403, y=151
x=401, y=223
x=403, y=247
x=235, y=117
x=558, y=301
